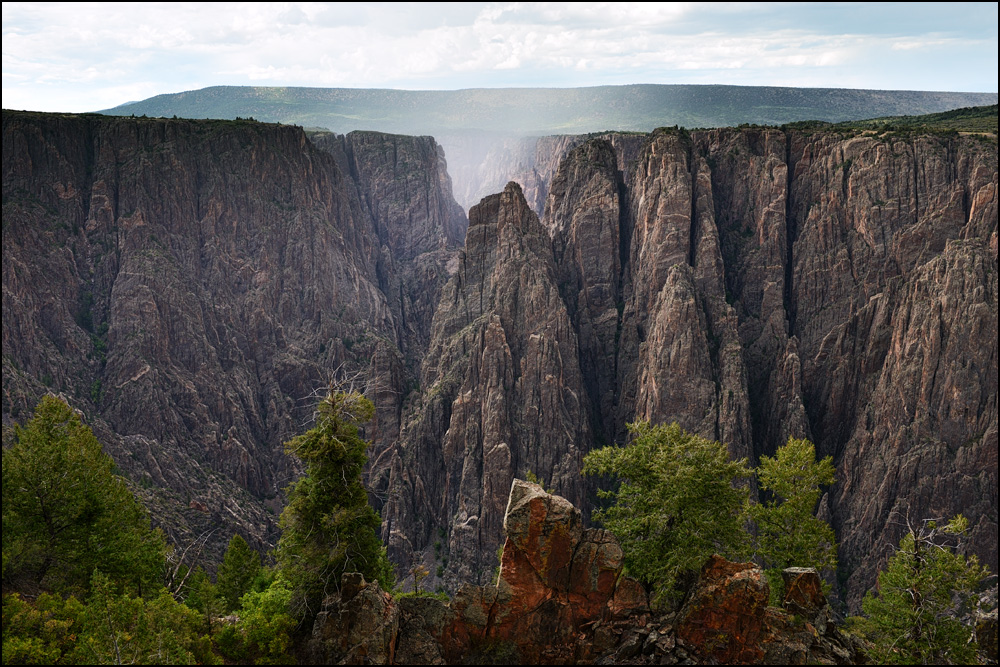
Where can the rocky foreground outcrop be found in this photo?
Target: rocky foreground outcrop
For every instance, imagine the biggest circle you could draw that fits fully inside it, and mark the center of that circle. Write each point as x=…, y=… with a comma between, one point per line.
x=561, y=598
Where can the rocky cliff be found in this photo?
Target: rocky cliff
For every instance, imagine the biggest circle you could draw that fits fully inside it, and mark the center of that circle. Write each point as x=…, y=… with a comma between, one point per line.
x=561, y=598
x=502, y=394
x=752, y=284
x=486, y=164
x=193, y=285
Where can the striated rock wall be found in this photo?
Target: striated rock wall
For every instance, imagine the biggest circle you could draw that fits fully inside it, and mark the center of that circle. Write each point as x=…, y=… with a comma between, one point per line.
x=502, y=395
x=487, y=163
x=404, y=186
x=191, y=284
x=194, y=285
x=755, y=284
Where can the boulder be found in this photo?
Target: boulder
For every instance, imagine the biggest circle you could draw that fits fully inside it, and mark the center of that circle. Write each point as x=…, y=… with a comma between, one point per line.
x=358, y=626
x=804, y=596
x=724, y=615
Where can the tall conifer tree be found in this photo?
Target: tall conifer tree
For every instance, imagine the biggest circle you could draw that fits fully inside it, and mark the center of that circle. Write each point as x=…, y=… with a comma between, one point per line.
x=328, y=526
x=65, y=513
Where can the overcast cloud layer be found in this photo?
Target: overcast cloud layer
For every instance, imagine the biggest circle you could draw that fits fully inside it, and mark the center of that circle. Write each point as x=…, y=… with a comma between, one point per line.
x=89, y=56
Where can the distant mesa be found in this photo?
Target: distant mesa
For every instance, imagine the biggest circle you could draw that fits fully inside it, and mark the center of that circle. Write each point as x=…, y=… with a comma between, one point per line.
x=542, y=111
x=479, y=123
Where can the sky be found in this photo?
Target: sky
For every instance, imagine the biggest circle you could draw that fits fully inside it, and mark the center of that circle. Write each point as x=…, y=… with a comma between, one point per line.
x=89, y=56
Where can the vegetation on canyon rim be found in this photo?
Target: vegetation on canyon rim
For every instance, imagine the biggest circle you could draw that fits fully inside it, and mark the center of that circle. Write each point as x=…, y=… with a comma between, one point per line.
x=83, y=571
x=681, y=499
x=912, y=618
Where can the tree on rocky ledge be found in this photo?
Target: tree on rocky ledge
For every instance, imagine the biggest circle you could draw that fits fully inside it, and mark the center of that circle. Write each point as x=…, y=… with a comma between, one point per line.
x=924, y=590
x=678, y=503
x=328, y=526
x=789, y=534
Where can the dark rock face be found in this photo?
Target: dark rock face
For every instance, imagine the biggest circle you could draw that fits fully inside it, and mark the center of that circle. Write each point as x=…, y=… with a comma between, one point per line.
x=190, y=284
x=403, y=184
x=757, y=284
x=193, y=285
x=357, y=627
x=503, y=395
x=679, y=347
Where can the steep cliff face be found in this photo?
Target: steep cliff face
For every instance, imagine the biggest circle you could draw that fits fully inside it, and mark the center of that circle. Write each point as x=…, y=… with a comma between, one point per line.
x=679, y=344
x=584, y=218
x=404, y=186
x=894, y=300
x=502, y=395
x=756, y=284
x=487, y=164
x=193, y=284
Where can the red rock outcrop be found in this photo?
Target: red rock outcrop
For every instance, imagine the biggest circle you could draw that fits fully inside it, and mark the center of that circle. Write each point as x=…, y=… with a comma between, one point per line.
x=556, y=580
x=725, y=614
x=561, y=598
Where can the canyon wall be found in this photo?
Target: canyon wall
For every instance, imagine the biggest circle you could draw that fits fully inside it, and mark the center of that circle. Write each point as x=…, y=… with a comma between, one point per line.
x=752, y=284
x=194, y=286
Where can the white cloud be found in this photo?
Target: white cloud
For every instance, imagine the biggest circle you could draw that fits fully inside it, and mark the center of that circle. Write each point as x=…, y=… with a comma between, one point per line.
x=128, y=48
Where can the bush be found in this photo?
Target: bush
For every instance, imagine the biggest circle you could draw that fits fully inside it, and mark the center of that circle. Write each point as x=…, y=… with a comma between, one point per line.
x=264, y=632
x=111, y=628
x=679, y=501
x=923, y=591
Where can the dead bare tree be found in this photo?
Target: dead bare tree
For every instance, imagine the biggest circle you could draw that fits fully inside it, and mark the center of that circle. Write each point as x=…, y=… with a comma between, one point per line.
x=174, y=578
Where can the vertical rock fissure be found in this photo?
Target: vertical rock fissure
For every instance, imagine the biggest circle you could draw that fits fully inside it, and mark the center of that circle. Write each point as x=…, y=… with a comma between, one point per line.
x=624, y=245
x=790, y=230
x=693, y=233
x=916, y=183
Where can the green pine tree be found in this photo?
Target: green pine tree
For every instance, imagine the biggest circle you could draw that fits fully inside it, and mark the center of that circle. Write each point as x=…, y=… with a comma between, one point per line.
x=328, y=526
x=923, y=591
x=788, y=532
x=240, y=566
x=264, y=633
x=678, y=503
x=65, y=513
x=121, y=629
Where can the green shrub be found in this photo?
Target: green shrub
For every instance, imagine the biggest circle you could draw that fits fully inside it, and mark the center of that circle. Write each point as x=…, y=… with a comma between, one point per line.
x=679, y=501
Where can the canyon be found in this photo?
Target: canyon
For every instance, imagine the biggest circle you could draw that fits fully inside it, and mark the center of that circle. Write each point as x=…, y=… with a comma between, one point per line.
x=195, y=286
